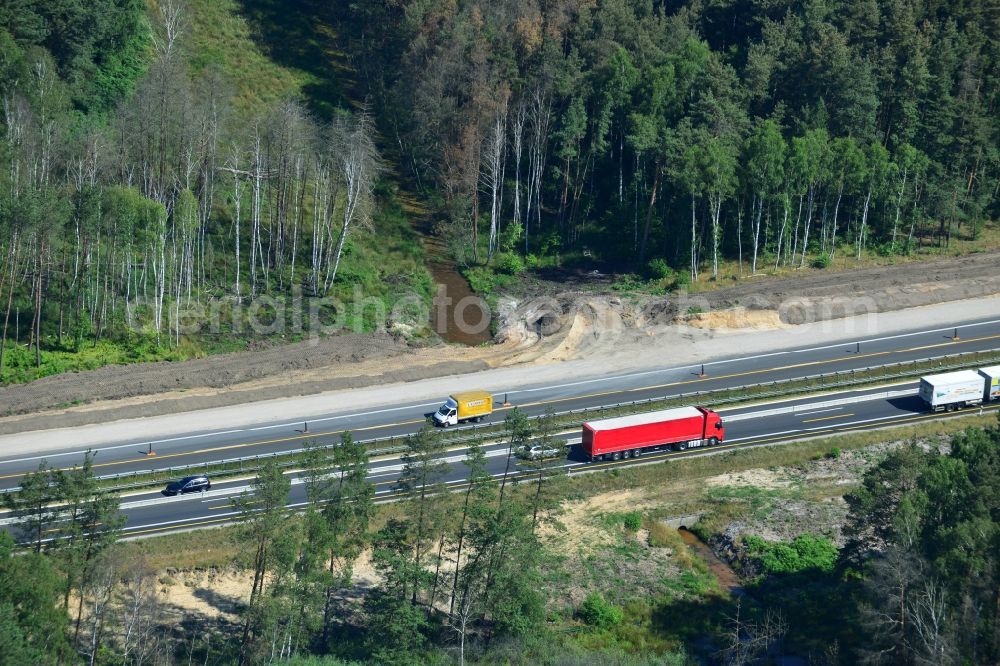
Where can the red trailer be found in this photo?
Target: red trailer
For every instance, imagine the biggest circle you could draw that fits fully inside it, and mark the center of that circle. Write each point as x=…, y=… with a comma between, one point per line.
x=627, y=436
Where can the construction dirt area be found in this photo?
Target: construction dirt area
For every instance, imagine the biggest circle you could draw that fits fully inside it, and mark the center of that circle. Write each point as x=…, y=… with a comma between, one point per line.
x=541, y=322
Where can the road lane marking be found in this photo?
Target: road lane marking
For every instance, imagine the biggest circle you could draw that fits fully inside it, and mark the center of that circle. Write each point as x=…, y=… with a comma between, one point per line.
x=176, y=526
x=301, y=436
x=827, y=418
x=820, y=411
x=747, y=373
x=846, y=343
x=949, y=342
x=773, y=437
x=743, y=439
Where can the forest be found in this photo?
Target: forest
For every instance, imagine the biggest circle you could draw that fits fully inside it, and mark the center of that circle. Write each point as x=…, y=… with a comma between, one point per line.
x=674, y=135
x=133, y=190
x=678, y=141
x=681, y=142
x=779, y=133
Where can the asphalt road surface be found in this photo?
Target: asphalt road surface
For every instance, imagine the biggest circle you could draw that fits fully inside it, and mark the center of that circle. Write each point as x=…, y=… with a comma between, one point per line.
x=149, y=513
x=394, y=420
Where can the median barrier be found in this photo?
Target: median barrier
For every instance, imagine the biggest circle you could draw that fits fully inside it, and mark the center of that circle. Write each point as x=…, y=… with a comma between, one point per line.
x=468, y=434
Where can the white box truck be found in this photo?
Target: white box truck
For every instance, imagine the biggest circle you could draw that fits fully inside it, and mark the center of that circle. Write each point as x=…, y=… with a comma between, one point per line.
x=952, y=390
x=992, y=377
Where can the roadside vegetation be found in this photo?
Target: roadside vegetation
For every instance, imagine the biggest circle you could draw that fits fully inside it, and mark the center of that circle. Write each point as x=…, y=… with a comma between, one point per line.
x=547, y=570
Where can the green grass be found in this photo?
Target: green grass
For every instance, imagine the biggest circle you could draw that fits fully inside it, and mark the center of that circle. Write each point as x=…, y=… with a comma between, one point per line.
x=222, y=39
x=486, y=281
x=216, y=547
x=19, y=361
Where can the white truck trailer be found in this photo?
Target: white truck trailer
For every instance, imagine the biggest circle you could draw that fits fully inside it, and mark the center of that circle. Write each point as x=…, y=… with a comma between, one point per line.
x=992, y=377
x=952, y=390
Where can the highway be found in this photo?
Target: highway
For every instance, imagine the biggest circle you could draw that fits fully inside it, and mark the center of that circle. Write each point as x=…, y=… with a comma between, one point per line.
x=150, y=513
x=394, y=420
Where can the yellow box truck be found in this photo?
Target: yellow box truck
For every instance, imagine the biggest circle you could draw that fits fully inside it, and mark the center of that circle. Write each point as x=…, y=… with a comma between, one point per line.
x=465, y=406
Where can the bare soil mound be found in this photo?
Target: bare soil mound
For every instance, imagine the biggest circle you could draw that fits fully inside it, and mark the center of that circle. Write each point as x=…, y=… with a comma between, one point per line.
x=583, y=320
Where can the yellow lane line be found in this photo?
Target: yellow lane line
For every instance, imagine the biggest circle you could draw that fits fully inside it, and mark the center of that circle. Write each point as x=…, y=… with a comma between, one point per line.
x=760, y=371
x=696, y=380
x=828, y=418
x=672, y=454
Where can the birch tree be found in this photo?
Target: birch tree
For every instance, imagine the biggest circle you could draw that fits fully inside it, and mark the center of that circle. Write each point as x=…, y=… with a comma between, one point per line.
x=494, y=166
x=877, y=174
x=765, y=160
x=359, y=163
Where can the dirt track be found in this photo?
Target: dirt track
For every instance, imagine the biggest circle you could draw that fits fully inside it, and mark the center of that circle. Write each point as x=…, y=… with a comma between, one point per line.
x=573, y=324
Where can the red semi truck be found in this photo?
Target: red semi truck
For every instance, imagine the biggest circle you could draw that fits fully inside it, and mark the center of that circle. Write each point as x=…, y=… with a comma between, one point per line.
x=627, y=436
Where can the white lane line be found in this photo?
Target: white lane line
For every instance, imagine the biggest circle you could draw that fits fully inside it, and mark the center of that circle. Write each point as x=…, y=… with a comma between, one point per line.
x=820, y=411
x=729, y=440
x=751, y=358
x=514, y=391
x=897, y=337
x=181, y=438
x=864, y=421
x=117, y=446
x=174, y=522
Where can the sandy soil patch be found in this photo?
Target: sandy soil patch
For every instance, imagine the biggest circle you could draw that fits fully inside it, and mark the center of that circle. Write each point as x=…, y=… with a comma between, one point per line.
x=757, y=478
x=218, y=594
x=738, y=319
x=575, y=527
x=212, y=594
x=543, y=324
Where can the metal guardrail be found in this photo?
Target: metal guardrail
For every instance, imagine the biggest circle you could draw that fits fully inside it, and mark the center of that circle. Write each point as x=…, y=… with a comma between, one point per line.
x=478, y=433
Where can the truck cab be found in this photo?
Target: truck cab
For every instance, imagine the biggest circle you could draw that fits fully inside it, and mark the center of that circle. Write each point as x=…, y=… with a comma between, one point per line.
x=447, y=414
x=715, y=429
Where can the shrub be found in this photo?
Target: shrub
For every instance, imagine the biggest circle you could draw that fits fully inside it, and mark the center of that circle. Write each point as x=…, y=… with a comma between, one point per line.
x=682, y=280
x=550, y=243
x=627, y=282
x=510, y=236
x=657, y=269
x=598, y=612
x=804, y=552
x=822, y=261
x=834, y=453
x=632, y=521
x=660, y=535
x=510, y=263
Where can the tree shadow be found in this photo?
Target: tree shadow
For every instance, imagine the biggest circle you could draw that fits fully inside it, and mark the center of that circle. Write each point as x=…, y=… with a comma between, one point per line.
x=696, y=623
x=818, y=606
x=305, y=38
x=221, y=602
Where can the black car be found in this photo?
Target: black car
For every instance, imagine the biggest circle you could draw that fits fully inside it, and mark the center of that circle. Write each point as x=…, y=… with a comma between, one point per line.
x=189, y=484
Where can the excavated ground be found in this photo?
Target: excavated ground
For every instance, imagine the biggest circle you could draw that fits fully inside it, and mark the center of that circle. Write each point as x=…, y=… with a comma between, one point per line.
x=540, y=322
